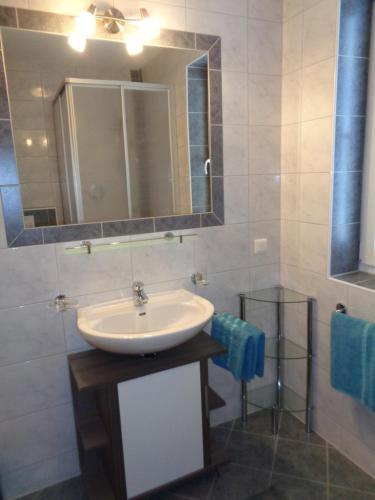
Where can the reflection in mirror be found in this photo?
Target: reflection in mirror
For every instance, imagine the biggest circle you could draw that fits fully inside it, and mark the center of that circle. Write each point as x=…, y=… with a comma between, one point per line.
x=102, y=135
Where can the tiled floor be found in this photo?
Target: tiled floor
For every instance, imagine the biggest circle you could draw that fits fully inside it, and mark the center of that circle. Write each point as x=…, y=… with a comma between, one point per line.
x=291, y=466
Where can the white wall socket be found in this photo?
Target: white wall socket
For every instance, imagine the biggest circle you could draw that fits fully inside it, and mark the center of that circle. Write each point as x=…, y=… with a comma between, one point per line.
x=260, y=246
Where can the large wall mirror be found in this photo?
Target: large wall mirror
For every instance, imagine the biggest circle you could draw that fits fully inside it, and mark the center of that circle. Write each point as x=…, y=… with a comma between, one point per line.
x=106, y=143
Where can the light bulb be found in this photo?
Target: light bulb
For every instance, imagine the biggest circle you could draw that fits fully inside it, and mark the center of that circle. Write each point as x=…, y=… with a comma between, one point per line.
x=134, y=45
x=77, y=42
x=86, y=23
x=150, y=28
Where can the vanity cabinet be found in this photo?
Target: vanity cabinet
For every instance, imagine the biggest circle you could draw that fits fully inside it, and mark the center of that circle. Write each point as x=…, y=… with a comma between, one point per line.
x=143, y=422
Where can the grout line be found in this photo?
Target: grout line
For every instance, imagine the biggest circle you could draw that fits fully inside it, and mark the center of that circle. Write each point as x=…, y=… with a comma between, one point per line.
x=38, y=411
x=212, y=486
x=327, y=472
x=303, y=478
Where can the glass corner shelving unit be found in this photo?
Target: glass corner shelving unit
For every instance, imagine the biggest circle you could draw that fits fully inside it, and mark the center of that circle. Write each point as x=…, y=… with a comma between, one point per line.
x=277, y=397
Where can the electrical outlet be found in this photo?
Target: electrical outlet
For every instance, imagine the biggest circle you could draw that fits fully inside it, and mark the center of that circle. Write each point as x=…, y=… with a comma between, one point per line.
x=260, y=246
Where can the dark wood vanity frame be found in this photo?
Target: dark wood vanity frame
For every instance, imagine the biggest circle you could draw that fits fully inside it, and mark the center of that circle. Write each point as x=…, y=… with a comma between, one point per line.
x=95, y=376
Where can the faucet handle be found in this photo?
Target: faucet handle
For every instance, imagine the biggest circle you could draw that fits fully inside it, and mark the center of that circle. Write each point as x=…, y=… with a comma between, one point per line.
x=138, y=286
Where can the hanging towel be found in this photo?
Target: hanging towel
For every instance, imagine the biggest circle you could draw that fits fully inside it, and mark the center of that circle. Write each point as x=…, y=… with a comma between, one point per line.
x=245, y=345
x=353, y=358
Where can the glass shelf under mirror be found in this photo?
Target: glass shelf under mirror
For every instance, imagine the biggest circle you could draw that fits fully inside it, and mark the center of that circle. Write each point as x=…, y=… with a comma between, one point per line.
x=284, y=349
x=265, y=398
x=276, y=295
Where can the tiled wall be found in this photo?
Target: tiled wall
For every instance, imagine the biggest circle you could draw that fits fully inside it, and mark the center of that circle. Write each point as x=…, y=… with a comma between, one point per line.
x=37, y=443
x=309, y=70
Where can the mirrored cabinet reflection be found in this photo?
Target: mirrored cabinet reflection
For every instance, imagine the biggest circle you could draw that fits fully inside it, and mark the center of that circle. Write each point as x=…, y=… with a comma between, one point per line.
x=105, y=136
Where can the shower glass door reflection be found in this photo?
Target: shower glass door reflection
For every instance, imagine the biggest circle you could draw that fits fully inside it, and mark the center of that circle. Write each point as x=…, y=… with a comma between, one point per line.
x=101, y=174
x=148, y=149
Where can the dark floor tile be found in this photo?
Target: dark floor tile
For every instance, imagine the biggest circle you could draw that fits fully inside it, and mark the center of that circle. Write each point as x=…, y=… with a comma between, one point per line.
x=236, y=482
x=290, y=488
x=301, y=459
x=27, y=497
x=219, y=436
x=68, y=490
x=342, y=472
x=251, y=450
x=224, y=425
x=297, y=489
x=164, y=495
x=197, y=488
x=292, y=428
x=257, y=423
x=336, y=493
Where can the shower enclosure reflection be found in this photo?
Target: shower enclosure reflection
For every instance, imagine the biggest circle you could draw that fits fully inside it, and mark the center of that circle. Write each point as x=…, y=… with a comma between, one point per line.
x=114, y=150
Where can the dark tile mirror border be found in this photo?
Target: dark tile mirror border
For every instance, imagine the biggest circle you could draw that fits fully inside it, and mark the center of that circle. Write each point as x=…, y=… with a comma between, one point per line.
x=352, y=79
x=17, y=235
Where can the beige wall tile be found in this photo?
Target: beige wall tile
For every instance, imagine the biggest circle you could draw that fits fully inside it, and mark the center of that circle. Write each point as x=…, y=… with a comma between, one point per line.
x=314, y=247
x=264, y=149
x=235, y=110
x=265, y=9
x=317, y=90
x=314, y=198
x=292, y=44
x=236, y=198
x=264, y=100
x=290, y=196
x=264, y=47
x=291, y=8
x=290, y=148
x=316, y=145
x=290, y=242
x=235, y=149
x=319, y=32
x=264, y=197
x=239, y=9
x=291, y=97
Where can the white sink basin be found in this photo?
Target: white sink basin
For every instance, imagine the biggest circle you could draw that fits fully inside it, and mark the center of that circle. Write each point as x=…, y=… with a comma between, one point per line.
x=167, y=320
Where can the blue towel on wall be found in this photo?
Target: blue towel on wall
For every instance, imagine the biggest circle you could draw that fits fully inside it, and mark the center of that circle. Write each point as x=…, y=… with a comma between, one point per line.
x=245, y=345
x=353, y=358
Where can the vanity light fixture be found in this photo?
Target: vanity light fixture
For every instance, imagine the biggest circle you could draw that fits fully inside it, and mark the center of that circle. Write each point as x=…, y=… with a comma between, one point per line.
x=77, y=42
x=144, y=27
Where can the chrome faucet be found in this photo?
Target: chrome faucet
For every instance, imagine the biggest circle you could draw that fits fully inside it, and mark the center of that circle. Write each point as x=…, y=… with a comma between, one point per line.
x=139, y=295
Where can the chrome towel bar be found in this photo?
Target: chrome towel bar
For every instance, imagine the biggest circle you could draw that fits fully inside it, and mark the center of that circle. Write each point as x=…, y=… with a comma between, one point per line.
x=340, y=308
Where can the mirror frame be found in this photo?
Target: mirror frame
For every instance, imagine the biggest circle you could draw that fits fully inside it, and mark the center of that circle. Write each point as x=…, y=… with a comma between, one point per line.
x=17, y=235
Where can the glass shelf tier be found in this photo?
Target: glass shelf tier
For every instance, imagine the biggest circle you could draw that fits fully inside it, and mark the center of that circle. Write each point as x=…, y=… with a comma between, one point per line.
x=276, y=295
x=288, y=349
x=265, y=398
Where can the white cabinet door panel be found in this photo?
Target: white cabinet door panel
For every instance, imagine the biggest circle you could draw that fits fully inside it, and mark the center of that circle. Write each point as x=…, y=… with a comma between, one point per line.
x=161, y=425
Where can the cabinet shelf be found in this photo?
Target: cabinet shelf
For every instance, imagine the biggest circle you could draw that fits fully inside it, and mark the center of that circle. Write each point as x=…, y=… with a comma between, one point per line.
x=92, y=433
x=265, y=398
x=214, y=400
x=286, y=349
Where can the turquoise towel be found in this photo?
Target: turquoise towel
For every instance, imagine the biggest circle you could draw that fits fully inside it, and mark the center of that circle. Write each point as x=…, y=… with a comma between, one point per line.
x=245, y=344
x=353, y=358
